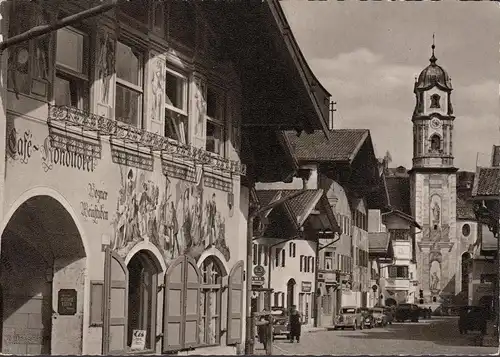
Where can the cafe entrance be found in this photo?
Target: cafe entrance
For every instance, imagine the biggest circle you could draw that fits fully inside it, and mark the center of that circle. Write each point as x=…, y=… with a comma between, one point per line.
x=42, y=264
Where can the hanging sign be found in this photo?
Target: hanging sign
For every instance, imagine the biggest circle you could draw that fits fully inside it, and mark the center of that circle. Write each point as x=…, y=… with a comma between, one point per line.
x=138, y=340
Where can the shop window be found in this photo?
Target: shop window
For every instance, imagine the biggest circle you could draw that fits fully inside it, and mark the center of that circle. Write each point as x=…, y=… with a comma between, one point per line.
x=142, y=293
x=71, y=86
x=211, y=300
x=129, y=82
x=176, y=106
x=215, y=121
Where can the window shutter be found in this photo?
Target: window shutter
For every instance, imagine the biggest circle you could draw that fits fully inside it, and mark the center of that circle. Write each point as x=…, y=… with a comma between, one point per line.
x=235, y=308
x=173, y=306
x=96, y=302
x=191, y=301
x=115, y=303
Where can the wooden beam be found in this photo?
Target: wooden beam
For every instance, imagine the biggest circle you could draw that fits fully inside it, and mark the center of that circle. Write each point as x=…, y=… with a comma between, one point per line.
x=41, y=30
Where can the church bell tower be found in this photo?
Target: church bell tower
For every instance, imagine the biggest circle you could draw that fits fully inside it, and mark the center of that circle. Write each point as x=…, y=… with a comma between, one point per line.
x=433, y=181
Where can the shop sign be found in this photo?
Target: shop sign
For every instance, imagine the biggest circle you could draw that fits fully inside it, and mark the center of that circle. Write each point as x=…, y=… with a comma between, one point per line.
x=258, y=280
x=93, y=208
x=329, y=277
x=259, y=271
x=138, y=340
x=66, y=302
x=306, y=286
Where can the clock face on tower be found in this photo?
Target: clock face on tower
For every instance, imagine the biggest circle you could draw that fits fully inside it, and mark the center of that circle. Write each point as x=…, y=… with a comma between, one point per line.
x=435, y=123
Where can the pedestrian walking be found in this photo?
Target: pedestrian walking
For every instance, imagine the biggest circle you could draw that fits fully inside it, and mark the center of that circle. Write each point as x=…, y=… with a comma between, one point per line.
x=261, y=331
x=295, y=324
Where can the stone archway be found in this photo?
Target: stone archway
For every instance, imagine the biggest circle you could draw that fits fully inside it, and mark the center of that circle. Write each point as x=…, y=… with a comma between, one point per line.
x=42, y=258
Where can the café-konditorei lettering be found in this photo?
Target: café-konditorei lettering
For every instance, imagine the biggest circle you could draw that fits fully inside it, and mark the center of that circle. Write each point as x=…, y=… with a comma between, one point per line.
x=95, y=210
x=21, y=148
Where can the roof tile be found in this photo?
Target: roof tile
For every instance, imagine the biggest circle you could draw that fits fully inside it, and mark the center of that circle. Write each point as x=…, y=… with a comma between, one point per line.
x=335, y=145
x=488, y=182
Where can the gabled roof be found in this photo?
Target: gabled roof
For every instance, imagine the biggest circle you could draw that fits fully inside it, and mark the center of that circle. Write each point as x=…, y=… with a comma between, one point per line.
x=339, y=145
x=398, y=188
x=486, y=182
x=297, y=208
x=404, y=216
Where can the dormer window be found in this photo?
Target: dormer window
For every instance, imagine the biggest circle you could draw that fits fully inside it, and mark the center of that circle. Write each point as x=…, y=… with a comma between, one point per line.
x=435, y=98
x=435, y=143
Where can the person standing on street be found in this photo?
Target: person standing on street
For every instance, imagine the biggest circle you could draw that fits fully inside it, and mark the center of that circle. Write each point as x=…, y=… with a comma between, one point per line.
x=295, y=324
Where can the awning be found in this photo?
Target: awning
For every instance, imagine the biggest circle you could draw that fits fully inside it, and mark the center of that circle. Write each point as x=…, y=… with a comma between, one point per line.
x=379, y=243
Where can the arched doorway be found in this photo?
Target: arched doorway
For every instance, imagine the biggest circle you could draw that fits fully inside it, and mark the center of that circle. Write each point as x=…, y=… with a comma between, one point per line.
x=290, y=293
x=466, y=263
x=42, y=258
x=143, y=272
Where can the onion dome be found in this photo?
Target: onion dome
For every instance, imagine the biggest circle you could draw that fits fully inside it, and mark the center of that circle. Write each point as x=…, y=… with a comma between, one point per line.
x=433, y=75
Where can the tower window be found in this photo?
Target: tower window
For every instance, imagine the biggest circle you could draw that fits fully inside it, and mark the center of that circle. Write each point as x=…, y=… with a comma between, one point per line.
x=435, y=143
x=435, y=101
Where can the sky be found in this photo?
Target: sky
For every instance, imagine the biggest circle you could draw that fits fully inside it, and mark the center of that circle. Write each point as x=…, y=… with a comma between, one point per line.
x=367, y=54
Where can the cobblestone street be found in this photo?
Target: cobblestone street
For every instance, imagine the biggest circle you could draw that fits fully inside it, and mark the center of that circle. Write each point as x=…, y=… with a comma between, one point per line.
x=437, y=336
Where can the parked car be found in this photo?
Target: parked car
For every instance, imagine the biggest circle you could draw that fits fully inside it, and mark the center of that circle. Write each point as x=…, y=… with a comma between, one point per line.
x=281, y=325
x=379, y=316
x=368, y=320
x=472, y=318
x=349, y=316
x=389, y=313
x=407, y=312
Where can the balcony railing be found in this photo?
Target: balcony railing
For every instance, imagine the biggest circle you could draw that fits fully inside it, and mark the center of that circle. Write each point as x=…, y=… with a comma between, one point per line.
x=84, y=121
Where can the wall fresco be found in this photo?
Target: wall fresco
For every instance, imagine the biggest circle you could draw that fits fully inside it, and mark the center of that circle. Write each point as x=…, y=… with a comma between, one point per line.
x=179, y=218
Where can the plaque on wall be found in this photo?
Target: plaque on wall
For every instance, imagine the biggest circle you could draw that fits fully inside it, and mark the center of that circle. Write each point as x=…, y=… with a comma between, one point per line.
x=66, y=302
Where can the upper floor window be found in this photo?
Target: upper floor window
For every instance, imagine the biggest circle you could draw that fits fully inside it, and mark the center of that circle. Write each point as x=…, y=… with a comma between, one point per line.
x=292, y=247
x=435, y=143
x=129, y=82
x=399, y=234
x=435, y=98
x=400, y=272
x=328, y=261
x=176, y=106
x=215, y=121
x=71, y=85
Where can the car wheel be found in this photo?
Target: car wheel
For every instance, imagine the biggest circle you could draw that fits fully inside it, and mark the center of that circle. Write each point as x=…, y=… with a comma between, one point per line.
x=354, y=326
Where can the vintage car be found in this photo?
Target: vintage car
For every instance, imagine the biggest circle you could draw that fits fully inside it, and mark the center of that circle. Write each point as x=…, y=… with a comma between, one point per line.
x=379, y=316
x=280, y=322
x=407, y=312
x=349, y=316
x=472, y=318
x=368, y=319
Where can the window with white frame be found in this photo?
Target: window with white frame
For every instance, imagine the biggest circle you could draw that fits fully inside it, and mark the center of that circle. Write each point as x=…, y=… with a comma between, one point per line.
x=71, y=86
x=211, y=299
x=328, y=261
x=176, y=106
x=129, y=84
x=216, y=126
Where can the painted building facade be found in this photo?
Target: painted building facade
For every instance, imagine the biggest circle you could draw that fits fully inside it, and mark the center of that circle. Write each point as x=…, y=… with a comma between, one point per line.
x=122, y=188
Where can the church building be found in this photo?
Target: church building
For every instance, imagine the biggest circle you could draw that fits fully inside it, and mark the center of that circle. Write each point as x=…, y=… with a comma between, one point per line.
x=433, y=197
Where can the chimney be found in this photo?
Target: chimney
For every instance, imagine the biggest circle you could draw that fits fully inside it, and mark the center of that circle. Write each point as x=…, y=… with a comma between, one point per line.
x=330, y=117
